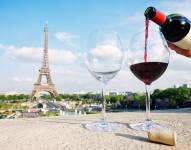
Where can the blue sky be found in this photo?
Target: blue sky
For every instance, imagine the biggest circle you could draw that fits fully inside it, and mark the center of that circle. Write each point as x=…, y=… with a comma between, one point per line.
x=69, y=21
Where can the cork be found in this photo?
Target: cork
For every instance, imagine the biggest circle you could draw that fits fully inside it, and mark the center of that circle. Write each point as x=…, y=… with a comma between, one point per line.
x=164, y=136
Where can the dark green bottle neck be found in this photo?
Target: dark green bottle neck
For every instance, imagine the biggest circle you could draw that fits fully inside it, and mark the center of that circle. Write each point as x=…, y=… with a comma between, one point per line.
x=155, y=15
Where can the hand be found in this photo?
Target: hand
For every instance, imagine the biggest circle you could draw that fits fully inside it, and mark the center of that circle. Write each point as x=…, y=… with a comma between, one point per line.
x=179, y=50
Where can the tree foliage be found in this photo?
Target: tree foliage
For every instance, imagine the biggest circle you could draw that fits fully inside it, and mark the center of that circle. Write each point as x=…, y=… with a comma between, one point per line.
x=176, y=96
x=14, y=98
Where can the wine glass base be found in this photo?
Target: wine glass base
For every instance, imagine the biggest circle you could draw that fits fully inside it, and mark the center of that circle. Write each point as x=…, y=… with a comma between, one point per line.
x=103, y=126
x=146, y=125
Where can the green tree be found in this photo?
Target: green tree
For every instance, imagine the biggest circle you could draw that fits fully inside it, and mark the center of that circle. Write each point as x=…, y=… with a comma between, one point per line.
x=58, y=98
x=183, y=93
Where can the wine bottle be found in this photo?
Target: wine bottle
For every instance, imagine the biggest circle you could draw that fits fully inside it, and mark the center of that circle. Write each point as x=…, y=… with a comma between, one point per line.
x=175, y=27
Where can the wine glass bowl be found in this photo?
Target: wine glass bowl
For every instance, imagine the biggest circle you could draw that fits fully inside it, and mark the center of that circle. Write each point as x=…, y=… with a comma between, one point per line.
x=157, y=48
x=148, y=61
x=104, y=52
x=103, y=58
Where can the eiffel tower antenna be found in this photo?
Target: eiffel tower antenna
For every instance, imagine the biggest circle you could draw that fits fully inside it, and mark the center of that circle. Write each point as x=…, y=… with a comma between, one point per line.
x=44, y=71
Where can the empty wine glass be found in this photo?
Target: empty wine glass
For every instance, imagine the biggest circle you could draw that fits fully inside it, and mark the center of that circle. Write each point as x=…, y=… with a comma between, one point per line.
x=148, y=61
x=103, y=58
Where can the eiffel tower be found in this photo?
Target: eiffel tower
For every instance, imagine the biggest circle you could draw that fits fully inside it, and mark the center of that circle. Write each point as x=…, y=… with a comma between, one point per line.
x=44, y=72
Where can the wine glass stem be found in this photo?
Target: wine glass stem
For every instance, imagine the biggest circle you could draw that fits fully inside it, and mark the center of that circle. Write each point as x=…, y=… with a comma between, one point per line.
x=147, y=102
x=103, y=102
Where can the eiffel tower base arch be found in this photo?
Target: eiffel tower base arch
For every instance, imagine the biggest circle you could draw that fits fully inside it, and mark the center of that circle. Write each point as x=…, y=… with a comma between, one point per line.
x=47, y=88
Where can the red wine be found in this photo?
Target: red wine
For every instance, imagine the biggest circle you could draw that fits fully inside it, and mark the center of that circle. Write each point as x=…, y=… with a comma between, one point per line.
x=146, y=38
x=175, y=27
x=148, y=71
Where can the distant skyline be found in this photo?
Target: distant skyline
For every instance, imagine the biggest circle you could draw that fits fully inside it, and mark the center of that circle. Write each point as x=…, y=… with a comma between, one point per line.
x=70, y=22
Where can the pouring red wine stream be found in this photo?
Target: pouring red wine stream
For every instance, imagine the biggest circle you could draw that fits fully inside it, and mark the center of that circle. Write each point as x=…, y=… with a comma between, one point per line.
x=146, y=37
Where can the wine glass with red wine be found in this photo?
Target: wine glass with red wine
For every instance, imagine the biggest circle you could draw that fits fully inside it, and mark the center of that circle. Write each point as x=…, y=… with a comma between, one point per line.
x=103, y=58
x=148, y=58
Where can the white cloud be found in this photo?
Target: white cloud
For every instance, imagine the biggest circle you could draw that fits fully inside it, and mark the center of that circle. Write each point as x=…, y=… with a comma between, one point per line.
x=182, y=7
x=107, y=52
x=67, y=38
x=62, y=56
x=179, y=63
x=22, y=79
x=23, y=53
x=33, y=54
x=64, y=36
x=104, y=57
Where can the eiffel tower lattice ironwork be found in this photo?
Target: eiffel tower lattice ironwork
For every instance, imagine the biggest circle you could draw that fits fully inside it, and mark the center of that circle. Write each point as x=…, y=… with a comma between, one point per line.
x=44, y=72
